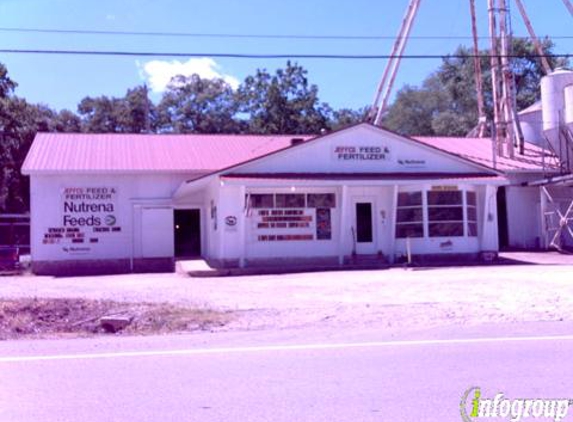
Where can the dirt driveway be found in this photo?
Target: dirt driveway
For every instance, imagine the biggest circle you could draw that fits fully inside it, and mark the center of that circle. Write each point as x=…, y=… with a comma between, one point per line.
x=388, y=298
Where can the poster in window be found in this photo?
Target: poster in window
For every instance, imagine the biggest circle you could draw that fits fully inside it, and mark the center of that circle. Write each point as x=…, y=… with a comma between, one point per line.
x=323, y=224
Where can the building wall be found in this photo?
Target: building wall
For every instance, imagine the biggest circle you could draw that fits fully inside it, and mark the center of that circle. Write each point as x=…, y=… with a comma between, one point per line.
x=101, y=218
x=126, y=221
x=523, y=216
x=248, y=240
x=360, y=149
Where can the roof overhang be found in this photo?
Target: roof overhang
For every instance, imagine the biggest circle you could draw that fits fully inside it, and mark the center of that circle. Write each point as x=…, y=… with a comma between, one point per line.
x=561, y=180
x=350, y=179
x=339, y=179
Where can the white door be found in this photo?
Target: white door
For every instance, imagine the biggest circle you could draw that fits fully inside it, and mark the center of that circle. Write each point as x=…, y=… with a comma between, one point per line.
x=157, y=232
x=364, y=231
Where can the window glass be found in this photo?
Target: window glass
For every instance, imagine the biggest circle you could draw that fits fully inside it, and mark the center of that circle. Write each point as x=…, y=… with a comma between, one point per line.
x=408, y=199
x=409, y=215
x=444, y=198
x=405, y=215
x=446, y=229
x=289, y=200
x=323, y=224
x=409, y=230
x=471, y=198
x=472, y=229
x=472, y=214
x=321, y=200
x=445, y=214
x=262, y=200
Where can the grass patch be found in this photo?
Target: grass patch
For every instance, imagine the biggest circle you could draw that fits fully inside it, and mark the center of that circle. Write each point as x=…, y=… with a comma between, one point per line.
x=34, y=317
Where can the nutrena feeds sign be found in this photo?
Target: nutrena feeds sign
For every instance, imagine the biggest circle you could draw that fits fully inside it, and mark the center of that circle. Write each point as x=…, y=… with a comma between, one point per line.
x=92, y=207
x=87, y=214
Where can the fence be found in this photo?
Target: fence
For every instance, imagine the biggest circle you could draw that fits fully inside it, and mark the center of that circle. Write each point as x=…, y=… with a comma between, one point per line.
x=15, y=231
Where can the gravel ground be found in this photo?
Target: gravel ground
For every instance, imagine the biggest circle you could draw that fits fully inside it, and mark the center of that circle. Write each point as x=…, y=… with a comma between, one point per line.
x=384, y=298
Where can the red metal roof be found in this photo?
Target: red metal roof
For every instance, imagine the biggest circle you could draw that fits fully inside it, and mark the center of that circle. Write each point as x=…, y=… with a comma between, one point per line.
x=204, y=154
x=201, y=154
x=480, y=151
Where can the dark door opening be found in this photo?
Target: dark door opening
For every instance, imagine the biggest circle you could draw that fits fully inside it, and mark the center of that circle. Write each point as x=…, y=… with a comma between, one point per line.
x=187, y=229
x=502, y=228
x=363, y=222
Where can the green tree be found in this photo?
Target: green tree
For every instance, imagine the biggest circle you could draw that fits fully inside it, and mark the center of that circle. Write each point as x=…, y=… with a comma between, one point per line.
x=192, y=104
x=133, y=113
x=345, y=117
x=282, y=103
x=19, y=122
x=66, y=121
x=446, y=103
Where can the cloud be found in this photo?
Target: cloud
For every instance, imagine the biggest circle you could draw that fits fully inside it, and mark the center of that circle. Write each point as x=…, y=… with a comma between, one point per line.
x=158, y=73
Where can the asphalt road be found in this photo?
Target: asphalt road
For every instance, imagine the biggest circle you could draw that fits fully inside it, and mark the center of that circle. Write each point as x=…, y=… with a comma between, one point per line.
x=281, y=376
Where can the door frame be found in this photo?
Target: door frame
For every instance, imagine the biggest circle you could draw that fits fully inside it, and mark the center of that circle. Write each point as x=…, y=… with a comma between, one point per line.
x=365, y=248
x=202, y=225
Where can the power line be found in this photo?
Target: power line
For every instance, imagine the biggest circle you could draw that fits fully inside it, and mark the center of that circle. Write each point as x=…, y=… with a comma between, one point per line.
x=271, y=56
x=252, y=36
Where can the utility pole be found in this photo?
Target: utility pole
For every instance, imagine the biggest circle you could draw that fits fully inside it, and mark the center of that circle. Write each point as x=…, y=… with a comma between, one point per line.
x=380, y=103
x=569, y=6
x=498, y=133
x=507, y=102
x=482, y=119
x=147, y=110
x=536, y=43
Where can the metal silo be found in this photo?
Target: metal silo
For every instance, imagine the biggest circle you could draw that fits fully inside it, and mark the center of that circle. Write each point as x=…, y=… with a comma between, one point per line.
x=553, y=106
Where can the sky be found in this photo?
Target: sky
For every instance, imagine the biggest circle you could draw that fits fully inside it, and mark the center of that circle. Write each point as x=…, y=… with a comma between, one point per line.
x=61, y=81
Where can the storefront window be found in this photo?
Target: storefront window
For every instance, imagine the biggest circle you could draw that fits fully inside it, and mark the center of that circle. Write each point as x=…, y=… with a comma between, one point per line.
x=292, y=200
x=472, y=213
x=289, y=200
x=261, y=200
x=323, y=224
x=445, y=213
x=410, y=215
x=321, y=200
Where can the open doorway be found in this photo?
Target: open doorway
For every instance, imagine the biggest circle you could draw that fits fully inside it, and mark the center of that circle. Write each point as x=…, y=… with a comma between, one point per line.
x=502, y=218
x=187, y=233
x=364, y=235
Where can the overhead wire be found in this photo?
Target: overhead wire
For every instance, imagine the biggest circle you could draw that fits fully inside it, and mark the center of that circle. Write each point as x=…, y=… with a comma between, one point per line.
x=269, y=55
x=231, y=35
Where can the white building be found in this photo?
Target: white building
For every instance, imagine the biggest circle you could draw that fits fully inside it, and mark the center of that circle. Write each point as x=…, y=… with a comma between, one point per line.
x=119, y=203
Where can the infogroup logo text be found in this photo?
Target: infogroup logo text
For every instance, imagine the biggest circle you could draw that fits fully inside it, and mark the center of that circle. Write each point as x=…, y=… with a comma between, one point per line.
x=474, y=407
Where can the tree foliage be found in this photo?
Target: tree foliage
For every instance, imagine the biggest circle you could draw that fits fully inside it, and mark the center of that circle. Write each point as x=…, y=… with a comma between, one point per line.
x=282, y=103
x=346, y=117
x=19, y=122
x=133, y=113
x=446, y=103
x=195, y=105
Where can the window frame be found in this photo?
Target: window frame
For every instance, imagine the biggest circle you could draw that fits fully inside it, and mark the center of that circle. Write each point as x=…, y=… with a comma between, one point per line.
x=403, y=224
x=465, y=227
x=451, y=225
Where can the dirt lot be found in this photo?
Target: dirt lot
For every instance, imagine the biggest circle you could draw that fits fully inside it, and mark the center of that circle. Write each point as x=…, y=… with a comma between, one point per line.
x=384, y=298
x=58, y=317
